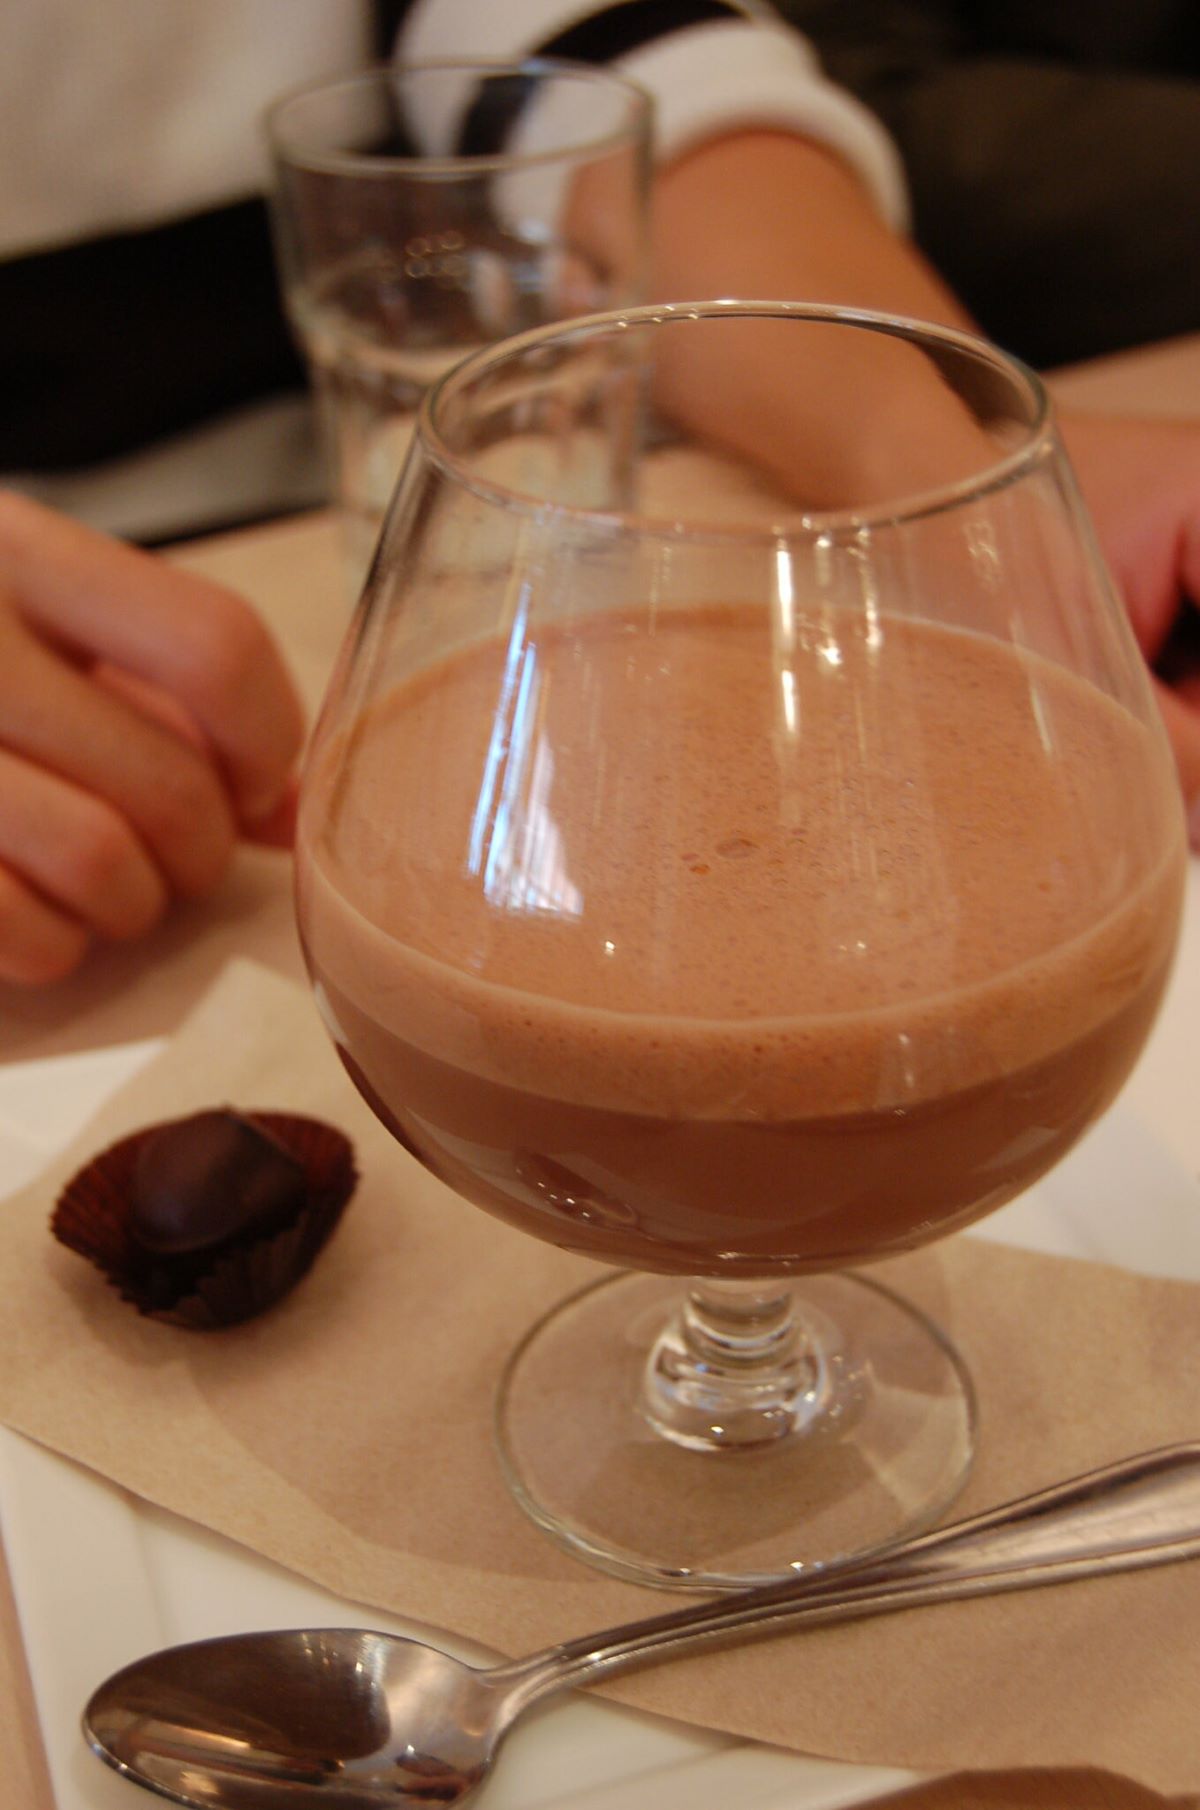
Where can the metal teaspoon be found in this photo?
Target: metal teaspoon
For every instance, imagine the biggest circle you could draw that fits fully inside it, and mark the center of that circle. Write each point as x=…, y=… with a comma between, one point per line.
x=345, y=1719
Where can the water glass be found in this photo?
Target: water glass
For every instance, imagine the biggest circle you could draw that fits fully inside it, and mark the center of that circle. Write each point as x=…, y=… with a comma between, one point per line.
x=424, y=210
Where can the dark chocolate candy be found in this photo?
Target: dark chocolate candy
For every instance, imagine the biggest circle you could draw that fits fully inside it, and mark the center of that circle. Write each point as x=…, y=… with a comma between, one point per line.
x=202, y=1181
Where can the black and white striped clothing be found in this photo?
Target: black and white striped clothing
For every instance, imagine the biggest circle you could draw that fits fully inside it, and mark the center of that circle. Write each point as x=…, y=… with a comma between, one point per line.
x=712, y=66
x=137, y=292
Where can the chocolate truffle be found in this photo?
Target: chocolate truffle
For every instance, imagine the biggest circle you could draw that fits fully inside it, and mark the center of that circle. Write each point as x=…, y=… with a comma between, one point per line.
x=215, y=1176
x=208, y=1220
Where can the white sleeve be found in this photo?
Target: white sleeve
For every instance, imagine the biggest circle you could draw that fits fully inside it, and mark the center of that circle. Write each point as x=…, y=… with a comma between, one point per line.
x=708, y=76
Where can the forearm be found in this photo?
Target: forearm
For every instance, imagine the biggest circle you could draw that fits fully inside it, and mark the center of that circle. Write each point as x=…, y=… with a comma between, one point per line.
x=774, y=216
x=770, y=216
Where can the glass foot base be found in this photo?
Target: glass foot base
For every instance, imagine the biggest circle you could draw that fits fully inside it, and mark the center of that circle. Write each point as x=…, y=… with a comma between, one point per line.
x=871, y=1444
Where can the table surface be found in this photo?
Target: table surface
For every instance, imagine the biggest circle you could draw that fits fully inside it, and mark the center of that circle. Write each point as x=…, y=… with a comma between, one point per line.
x=292, y=572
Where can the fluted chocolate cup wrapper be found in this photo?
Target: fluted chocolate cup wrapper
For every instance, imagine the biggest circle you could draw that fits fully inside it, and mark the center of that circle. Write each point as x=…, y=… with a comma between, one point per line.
x=347, y=1436
x=242, y=1278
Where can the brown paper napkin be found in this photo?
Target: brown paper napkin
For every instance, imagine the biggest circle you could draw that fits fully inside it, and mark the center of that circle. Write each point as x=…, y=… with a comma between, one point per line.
x=1033, y=1790
x=347, y=1435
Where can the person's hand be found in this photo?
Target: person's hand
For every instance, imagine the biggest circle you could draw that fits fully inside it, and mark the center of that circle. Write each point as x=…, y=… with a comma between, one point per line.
x=1141, y=482
x=146, y=722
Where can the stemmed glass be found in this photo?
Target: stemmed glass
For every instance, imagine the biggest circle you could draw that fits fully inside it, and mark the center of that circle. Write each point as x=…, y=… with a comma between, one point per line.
x=738, y=845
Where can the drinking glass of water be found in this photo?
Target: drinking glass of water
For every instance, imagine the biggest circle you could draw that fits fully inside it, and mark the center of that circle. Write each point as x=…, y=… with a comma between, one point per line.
x=424, y=210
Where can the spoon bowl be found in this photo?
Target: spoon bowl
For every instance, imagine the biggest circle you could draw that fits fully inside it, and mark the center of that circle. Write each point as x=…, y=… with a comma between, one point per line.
x=347, y=1719
x=281, y=1717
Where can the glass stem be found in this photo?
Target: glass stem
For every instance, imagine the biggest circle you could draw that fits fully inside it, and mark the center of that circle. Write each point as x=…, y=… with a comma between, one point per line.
x=735, y=1368
x=746, y=1324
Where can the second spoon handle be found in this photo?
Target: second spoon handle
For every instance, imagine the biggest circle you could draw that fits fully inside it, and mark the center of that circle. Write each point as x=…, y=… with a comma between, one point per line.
x=1142, y=1511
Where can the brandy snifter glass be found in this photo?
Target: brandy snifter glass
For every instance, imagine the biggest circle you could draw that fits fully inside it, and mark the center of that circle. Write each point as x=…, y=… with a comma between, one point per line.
x=739, y=845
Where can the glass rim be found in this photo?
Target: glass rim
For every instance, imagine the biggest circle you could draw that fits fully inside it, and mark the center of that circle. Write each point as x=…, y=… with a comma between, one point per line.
x=1039, y=437
x=638, y=126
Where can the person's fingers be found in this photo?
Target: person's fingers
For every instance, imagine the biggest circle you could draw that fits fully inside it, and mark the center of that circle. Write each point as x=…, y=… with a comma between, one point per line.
x=1188, y=540
x=155, y=703
x=1182, y=719
x=82, y=857
x=191, y=638
x=37, y=943
x=279, y=829
x=166, y=789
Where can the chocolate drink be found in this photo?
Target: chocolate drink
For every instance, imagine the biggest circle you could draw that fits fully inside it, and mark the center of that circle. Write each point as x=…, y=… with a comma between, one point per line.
x=698, y=953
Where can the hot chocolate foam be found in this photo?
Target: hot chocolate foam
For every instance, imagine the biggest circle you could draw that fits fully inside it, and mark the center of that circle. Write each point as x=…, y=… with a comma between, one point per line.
x=665, y=865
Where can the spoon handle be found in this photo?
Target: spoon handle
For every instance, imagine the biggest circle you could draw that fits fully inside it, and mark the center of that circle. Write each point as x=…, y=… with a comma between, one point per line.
x=1142, y=1511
